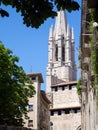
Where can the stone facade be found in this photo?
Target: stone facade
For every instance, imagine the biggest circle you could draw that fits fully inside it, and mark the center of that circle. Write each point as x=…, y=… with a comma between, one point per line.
x=89, y=111
x=65, y=108
x=38, y=108
x=44, y=112
x=68, y=122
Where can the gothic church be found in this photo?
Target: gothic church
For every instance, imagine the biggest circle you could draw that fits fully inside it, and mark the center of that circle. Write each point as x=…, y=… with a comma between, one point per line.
x=61, y=77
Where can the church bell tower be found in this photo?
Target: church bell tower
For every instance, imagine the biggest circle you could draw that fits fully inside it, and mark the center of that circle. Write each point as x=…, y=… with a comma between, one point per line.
x=61, y=63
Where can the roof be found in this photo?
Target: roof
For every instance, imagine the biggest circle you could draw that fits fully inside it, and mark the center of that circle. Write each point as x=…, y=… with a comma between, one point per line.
x=70, y=107
x=45, y=97
x=40, y=78
x=65, y=83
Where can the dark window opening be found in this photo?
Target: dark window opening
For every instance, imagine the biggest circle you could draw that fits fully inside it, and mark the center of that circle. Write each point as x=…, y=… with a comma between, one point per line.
x=75, y=110
x=56, y=89
x=56, y=52
x=63, y=88
x=52, y=113
x=30, y=123
x=67, y=111
x=59, y=112
x=30, y=107
x=63, y=53
x=33, y=78
x=70, y=87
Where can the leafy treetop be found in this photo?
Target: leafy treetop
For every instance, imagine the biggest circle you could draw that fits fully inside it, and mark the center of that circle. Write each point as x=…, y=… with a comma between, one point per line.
x=35, y=12
x=15, y=89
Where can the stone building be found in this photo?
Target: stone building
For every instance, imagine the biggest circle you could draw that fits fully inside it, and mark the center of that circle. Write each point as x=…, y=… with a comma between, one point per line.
x=88, y=73
x=38, y=108
x=44, y=112
x=61, y=81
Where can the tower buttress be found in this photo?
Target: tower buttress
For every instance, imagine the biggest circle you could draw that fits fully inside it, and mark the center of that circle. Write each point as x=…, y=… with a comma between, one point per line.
x=50, y=46
x=73, y=59
x=68, y=45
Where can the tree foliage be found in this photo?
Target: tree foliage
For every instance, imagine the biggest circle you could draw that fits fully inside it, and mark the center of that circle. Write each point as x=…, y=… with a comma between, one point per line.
x=14, y=91
x=35, y=12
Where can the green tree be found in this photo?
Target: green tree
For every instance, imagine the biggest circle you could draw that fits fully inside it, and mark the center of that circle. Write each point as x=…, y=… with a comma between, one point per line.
x=15, y=89
x=35, y=12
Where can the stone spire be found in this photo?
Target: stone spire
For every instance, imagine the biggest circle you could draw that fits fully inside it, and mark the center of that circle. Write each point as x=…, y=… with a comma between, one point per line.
x=60, y=24
x=61, y=65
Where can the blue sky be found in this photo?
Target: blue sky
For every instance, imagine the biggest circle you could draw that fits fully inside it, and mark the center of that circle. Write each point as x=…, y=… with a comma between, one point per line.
x=31, y=45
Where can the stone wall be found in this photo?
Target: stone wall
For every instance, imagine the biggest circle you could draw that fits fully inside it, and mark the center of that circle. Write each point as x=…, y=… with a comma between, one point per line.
x=66, y=122
x=66, y=98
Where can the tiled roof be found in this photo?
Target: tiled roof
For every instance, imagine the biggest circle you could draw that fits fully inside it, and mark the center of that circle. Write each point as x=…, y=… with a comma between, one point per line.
x=65, y=83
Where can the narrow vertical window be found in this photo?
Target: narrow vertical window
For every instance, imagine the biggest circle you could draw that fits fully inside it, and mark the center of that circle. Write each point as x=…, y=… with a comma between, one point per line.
x=51, y=126
x=56, y=52
x=30, y=107
x=30, y=123
x=70, y=87
x=63, y=53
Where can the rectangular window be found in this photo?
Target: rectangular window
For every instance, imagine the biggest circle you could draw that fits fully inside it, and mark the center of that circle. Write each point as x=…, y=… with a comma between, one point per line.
x=70, y=87
x=63, y=87
x=66, y=111
x=33, y=78
x=52, y=113
x=56, y=113
x=75, y=110
x=30, y=123
x=59, y=112
x=30, y=107
x=56, y=89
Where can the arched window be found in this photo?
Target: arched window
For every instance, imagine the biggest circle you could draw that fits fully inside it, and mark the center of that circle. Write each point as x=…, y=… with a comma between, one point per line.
x=63, y=53
x=56, y=52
